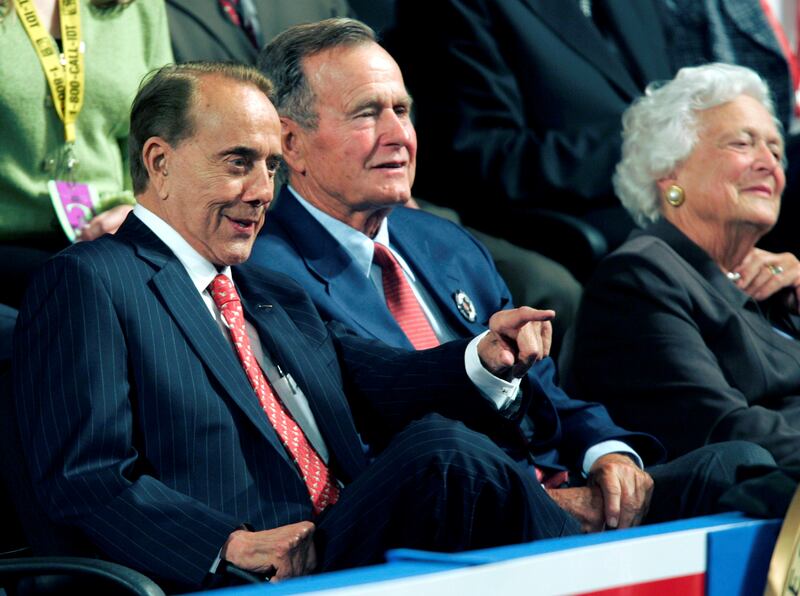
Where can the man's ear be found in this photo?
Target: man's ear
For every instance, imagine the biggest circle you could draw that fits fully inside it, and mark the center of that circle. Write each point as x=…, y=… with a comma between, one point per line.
x=293, y=141
x=155, y=155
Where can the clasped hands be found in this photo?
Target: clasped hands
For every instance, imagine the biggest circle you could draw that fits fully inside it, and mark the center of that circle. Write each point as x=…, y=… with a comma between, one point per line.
x=617, y=495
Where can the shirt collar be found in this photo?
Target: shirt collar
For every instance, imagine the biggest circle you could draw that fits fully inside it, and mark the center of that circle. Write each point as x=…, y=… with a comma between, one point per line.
x=358, y=245
x=201, y=271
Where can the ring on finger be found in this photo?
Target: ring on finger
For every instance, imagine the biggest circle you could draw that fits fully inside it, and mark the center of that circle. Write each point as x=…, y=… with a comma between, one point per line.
x=775, y=269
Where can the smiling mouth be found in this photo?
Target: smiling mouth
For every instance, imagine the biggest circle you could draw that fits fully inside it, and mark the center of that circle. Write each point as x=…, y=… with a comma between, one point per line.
x=245, y=226
x=762, y=190
x=395, y=165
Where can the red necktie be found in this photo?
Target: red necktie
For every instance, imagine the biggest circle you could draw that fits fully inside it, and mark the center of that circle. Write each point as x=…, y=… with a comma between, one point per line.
x=233, y=10
x=786, y=48
x=406, y=310
x=229, y=8
x=318, y=478
x=402, y=302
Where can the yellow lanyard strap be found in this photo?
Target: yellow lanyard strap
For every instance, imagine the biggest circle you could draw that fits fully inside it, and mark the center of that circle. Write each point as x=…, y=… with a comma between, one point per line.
x=64, y=73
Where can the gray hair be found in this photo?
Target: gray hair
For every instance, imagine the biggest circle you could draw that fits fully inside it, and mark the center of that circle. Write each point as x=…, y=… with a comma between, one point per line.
x=660, y=129
x=282, y=61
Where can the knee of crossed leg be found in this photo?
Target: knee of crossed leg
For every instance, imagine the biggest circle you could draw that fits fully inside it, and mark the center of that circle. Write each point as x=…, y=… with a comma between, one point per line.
x=448, y=447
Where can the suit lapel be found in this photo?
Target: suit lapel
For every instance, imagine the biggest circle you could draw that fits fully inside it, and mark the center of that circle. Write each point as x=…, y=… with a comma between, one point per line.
x=431, y=267
x=345, y=283
x=566, y=20
x=173, y=286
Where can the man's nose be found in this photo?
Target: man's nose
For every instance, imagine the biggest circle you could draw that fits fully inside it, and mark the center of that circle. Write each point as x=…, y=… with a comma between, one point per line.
x=395, y=129
x=260, y=185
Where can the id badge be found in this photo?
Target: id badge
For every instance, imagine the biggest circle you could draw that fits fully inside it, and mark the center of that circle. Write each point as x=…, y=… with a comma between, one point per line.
x=74, y=204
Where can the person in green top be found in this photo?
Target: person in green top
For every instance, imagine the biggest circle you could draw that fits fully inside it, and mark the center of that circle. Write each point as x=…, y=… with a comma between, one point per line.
x=122, y=42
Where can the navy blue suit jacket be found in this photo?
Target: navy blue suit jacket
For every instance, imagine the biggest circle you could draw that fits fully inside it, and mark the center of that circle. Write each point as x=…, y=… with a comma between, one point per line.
x=445, y=258
x=140, y=427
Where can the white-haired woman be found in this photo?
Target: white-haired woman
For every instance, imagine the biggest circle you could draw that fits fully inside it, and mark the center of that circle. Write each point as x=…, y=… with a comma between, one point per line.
x=688, y=331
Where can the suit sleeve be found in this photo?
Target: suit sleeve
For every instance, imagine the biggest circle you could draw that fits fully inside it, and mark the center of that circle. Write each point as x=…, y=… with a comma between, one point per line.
x=477, y=108
x=389, y=387
x=640, y=351
x=77, y=415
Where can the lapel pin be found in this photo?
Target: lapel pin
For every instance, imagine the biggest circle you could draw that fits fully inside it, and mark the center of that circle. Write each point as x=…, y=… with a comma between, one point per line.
x=263, y=306
x=465, y=306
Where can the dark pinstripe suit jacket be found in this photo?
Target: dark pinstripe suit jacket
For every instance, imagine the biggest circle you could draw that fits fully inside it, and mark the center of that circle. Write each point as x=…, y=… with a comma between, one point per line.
x=140, y=427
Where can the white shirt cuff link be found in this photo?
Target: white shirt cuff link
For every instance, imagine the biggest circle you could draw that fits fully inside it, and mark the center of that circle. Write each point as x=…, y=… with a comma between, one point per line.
x=500, y=392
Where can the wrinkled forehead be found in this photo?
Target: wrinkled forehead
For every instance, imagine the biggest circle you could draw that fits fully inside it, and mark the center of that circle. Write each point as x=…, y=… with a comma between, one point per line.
x=341, y=68
x=225, y=107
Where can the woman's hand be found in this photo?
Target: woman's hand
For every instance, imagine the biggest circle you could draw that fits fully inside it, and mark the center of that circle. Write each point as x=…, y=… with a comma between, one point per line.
x=763, y=273
x=104, y=223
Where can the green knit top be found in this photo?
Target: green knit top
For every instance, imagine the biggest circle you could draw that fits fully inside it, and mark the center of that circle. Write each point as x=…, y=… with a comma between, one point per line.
x=122, y=45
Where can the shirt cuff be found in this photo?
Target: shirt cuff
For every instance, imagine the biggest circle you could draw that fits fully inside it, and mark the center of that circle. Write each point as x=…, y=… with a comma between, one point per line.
x=604, y=448
x=501, y=393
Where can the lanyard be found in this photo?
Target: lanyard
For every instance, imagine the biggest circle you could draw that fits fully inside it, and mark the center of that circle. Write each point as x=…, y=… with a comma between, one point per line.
x=64, y=73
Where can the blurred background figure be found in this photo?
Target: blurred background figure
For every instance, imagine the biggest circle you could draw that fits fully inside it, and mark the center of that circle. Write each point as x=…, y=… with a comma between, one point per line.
x=519, y=102
x=688, y=331
x=235, y=30
x=119, y=42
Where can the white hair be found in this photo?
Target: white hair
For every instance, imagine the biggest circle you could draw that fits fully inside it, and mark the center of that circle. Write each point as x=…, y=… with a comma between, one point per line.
x=660, y=129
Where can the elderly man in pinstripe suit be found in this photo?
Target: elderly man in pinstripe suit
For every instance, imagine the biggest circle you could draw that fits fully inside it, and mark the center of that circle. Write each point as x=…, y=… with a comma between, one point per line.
x=181, y=409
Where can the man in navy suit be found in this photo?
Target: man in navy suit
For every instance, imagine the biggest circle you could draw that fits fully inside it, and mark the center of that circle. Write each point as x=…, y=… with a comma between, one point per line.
x=350, y=151
x=144, y=405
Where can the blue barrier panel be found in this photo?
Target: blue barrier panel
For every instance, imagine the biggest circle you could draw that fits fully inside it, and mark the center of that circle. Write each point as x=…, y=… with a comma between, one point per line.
x=503, y=553
x=736, y=547
x=738, y=558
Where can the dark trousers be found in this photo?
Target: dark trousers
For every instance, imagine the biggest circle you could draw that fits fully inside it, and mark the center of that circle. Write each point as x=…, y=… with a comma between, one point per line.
x=693, y=484
x=437, y=486
x=440, y=486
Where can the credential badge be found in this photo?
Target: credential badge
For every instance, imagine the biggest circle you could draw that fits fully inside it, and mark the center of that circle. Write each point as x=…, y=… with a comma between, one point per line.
x=465, y=306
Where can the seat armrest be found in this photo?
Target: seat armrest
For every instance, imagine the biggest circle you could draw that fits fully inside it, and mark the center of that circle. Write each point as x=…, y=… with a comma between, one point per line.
x=116, y=577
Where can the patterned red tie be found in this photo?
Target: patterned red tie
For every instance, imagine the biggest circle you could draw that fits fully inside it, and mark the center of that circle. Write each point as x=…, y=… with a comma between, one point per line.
x=320, y=482
x=233, y=9
x=402, y=302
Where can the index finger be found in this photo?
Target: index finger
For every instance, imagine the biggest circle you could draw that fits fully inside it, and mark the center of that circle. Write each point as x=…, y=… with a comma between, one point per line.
x=505, y=321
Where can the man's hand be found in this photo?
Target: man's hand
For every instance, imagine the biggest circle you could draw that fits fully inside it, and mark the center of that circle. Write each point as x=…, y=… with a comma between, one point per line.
x=287, y=551
x=626, y=489
x=763, y=273
x=104, y=223
x=584, y=503
x=516, y=339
